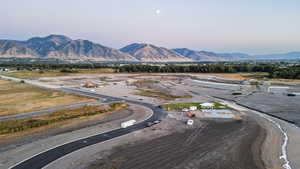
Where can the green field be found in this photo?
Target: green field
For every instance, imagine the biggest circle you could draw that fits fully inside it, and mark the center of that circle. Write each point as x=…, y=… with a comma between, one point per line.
x=180, y=106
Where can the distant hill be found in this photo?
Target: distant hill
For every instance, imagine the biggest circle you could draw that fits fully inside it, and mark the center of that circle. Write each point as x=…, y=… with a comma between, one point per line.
x=286, y=56
x=150, y=53
x=9, y=48
x=43, y=46
x=64, y=48
x=198, y=55
x=212, y=56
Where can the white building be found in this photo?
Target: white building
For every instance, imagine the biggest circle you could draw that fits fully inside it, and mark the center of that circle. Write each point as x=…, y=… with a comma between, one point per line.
x=193, y=108
x=278, y=89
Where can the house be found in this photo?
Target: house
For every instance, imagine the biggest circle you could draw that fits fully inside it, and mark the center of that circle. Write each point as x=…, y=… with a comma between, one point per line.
x=207, y=105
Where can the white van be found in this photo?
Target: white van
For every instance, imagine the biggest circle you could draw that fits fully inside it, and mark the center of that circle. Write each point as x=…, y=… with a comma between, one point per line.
x=128, y=123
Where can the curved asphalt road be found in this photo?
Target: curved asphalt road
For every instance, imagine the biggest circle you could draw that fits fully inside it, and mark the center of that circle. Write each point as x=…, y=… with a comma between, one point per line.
x=41, y=160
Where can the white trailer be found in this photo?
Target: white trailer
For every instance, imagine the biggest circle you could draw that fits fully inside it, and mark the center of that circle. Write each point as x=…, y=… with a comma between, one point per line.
x=128, y=123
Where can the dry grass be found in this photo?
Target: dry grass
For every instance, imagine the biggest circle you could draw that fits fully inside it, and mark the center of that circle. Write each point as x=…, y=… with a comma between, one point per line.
x=56, y=73
x=144, y=83
x=160, y=95
x=19, y=127
x=247, y=76
x=233, y=76
x=16, y=98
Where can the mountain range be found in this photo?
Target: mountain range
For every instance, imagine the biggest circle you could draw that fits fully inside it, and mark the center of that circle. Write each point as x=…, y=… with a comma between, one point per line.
x=62, y=47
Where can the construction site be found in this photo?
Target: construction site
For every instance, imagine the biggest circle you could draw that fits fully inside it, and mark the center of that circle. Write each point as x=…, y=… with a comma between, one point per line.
x=169, y=121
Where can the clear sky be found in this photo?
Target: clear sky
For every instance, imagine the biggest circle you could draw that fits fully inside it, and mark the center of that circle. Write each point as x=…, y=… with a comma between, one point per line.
x=253, y=26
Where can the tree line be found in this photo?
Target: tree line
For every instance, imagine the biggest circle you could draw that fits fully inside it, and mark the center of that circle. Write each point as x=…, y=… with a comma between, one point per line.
x=199, y=68
x=32, y=66
x=292, y=72
x=275, y=70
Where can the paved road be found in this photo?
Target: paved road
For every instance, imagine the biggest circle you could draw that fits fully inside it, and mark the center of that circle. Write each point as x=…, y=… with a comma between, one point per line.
x=41, y=160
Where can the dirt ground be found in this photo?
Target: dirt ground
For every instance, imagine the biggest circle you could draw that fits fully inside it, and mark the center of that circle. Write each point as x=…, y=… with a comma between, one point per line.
x=219, y=145
x=212, y=145
x=55, y=73
x=16, y=98
x=247, y=76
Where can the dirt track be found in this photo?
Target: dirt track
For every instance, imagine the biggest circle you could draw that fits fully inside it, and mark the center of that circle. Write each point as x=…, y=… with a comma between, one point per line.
x=220, y=145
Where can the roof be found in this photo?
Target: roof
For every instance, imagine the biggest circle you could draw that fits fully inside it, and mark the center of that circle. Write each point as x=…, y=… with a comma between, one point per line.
x=207, y=104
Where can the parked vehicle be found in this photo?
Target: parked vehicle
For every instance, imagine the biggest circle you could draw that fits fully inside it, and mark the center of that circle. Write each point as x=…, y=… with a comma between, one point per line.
x=190, y=122
x=157, y=121
x=128, y=123
x=190, y=114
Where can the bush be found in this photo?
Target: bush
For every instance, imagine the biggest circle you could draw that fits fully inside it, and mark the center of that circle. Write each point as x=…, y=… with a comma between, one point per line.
x=68, y=71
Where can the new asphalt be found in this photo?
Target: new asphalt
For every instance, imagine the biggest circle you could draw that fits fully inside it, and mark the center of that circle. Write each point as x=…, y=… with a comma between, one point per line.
x=41, y=160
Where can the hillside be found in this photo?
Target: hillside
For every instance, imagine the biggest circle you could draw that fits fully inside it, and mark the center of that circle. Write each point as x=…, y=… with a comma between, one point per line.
x=198, y=55
x=61, y=47
x=66, y=49
x=150, y=53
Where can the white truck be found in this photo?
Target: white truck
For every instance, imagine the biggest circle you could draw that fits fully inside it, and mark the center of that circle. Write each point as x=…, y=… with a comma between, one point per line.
x=128, y=123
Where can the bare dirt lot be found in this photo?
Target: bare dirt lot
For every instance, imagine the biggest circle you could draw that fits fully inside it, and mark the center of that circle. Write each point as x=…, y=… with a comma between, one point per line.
x=220, y=145
x=16, y=98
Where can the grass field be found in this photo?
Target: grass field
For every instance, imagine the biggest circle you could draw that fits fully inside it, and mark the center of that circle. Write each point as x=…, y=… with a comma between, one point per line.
x=8, y=127
x=180, y=106
x=53, y=73
x=18, y=98
x=160, y=95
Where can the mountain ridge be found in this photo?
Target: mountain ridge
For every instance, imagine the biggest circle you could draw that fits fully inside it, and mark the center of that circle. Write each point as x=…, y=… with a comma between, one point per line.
x=148, y=52
x=61, y=47
x=65, y=48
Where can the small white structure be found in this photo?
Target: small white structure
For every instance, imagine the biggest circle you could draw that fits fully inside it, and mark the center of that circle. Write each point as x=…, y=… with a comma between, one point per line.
x=185, y=110
x=128, y=123
x=190, y=122
x=278, y=89
x=193, y=108
x=207, y=105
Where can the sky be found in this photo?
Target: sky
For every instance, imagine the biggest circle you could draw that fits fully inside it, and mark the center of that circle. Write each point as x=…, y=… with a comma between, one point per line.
x=251, y=26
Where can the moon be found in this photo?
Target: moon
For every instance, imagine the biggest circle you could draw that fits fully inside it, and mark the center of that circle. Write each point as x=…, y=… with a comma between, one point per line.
x=157, y=11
